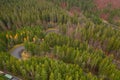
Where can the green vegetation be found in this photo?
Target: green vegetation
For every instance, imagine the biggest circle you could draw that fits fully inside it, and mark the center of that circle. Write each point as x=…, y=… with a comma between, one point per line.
x=2, y=78
x=63, y=44
x=100, y=37
x=70, y=51
x=24, y=34
x=44, y=69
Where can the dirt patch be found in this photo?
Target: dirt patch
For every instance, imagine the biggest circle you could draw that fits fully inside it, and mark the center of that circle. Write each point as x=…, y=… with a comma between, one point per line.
x=116, y=18
x=63, y=5
x=110, y=5
x=104, y=16
x=74, y=10
x=106, y=3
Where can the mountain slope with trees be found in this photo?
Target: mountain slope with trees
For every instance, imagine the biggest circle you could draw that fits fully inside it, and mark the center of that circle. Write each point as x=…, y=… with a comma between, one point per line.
x=66, y=40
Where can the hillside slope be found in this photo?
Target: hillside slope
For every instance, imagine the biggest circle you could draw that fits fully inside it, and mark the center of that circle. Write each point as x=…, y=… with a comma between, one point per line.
x=65, y=40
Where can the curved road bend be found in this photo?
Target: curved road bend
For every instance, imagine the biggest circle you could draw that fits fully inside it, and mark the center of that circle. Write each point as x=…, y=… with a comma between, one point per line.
x=17, y=51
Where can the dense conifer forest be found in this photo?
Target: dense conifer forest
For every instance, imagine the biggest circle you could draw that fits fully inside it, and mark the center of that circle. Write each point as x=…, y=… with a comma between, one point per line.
x=61, y=40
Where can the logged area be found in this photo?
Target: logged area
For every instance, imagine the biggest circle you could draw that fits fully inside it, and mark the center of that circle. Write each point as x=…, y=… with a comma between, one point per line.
x=59, y=40
x=109, y=10
x=104, y=3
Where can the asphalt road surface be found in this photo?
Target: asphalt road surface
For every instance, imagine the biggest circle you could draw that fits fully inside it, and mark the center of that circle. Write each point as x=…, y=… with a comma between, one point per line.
x=16, y=52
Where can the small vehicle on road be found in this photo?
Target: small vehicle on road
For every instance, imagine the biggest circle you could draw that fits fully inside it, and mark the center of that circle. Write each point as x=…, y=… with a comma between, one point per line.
x=5, y=76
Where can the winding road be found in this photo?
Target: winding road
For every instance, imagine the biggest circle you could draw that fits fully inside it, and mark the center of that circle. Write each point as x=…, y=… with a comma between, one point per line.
x=16, y=51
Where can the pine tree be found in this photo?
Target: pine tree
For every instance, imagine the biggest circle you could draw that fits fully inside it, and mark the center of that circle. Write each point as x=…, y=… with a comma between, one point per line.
x=44, y=74
x=51, y=76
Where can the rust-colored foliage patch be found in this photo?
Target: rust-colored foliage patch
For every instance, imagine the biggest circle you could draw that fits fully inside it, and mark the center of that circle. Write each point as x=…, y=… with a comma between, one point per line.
x=105, y=3
x=104, y=16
